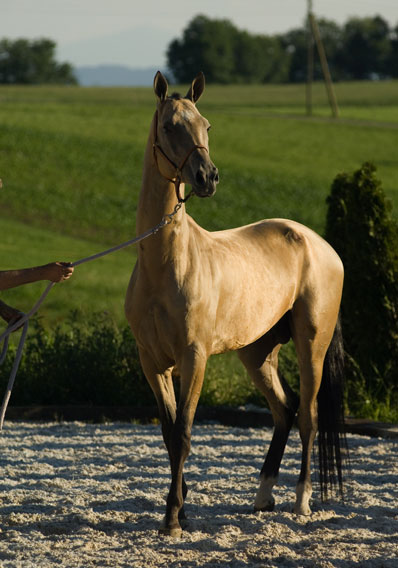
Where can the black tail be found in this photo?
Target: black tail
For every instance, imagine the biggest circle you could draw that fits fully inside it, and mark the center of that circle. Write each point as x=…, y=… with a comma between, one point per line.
x=332, y=445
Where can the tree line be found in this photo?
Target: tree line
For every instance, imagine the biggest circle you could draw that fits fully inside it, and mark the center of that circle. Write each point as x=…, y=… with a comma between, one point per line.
x=28, y=62
x=362, y=48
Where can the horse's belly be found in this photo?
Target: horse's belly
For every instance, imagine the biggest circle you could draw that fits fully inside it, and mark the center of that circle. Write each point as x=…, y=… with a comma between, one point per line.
x=245, y=323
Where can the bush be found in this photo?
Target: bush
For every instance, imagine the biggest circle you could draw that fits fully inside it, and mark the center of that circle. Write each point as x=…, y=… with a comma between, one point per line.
x=89, y=362
x=360, y=228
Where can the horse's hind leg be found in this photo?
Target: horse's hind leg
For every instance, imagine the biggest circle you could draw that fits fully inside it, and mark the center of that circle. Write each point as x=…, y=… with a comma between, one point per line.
x=261, y=362
x=311, y=340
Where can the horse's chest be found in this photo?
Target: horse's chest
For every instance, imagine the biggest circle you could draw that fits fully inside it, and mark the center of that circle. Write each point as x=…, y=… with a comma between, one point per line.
x=150, y=322
x=156, y=331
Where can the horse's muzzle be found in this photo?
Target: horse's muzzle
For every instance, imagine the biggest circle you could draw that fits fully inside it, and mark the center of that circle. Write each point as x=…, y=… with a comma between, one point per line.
x=206, y=181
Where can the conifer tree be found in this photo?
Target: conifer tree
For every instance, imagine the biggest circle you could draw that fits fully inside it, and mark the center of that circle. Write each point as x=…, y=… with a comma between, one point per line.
x=361, y=229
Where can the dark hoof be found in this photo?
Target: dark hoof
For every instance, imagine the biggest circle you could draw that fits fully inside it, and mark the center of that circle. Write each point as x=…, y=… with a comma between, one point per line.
x=175, y=532
x=184, y=523
x=266, y=508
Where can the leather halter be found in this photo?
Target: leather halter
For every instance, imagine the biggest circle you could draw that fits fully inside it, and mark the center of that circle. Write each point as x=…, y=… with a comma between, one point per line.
x=178, y=175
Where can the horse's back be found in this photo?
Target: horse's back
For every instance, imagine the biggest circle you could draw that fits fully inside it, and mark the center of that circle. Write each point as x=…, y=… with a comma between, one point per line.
x=276, y=242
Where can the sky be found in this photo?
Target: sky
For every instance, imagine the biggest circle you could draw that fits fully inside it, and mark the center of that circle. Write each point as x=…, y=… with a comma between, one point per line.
x=136, y=33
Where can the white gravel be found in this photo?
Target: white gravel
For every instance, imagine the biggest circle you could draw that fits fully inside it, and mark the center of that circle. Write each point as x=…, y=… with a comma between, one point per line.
x=81, y=495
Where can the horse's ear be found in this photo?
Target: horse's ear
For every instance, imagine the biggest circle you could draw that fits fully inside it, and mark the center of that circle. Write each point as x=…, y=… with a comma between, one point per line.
x=160, y=86
x=197, y=88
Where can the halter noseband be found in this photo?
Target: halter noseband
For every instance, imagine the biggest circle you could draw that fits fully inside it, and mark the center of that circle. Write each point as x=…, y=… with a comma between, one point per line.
x=178, y=175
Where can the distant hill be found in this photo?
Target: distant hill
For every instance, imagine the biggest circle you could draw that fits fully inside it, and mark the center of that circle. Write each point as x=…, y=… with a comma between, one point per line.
x=114, y=76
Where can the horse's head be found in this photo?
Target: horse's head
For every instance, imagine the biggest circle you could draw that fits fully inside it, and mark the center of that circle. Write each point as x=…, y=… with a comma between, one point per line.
x=181, y=138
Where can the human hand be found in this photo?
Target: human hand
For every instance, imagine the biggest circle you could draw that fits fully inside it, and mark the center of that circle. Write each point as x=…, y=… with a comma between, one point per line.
x=58, y=271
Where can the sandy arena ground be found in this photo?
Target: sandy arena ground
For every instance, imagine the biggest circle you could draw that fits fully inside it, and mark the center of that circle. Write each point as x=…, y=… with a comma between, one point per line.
x=82, y=495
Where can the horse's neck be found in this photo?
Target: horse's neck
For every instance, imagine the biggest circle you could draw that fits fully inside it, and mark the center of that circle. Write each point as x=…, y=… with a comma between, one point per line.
x=157, y=199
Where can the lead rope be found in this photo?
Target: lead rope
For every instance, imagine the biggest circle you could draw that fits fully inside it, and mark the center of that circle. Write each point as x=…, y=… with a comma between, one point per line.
x=24, y=320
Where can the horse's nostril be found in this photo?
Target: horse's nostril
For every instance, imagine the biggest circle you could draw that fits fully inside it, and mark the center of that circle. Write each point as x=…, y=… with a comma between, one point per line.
x=200, y=178
x=214, y=176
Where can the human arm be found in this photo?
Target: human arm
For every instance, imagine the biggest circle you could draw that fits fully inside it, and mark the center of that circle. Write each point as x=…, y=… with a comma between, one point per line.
x=54, y=271
x=8, y=313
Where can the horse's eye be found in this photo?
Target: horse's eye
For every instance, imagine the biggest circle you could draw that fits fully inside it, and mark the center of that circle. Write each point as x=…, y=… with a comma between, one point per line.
x=208, y=128
x=167, y=128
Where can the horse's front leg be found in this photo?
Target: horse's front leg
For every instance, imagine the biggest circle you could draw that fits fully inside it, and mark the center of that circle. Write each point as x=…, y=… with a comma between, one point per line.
x=163, y=389
x=192, y=370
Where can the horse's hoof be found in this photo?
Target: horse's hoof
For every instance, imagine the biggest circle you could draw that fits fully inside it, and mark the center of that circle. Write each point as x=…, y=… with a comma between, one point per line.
x=265, y=507
x=175, y=532
x=184, y=523
x=302, y=511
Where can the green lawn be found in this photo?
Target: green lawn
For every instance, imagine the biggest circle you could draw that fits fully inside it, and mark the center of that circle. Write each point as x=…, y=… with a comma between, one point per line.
x=71, y=162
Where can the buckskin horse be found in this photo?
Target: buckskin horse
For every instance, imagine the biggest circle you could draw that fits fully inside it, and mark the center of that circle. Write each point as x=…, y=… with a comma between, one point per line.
x=194, y=293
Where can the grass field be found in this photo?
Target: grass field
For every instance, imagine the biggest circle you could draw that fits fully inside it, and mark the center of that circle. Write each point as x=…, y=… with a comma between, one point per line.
x=71, y=161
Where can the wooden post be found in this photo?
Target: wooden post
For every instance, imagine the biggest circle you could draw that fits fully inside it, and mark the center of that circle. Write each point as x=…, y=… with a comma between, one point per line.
x=325, y=66
x=310, y=61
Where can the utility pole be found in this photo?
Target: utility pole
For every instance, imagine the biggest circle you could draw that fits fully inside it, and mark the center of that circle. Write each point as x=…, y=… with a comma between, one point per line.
x=313, y=34
x=310, y=60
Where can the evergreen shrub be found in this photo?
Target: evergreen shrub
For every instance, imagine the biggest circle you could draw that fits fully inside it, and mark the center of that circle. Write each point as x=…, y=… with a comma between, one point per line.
x=361, y=229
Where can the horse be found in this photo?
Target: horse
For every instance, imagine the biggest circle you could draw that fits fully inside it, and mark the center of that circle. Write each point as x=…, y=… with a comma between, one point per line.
x=194, y=293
